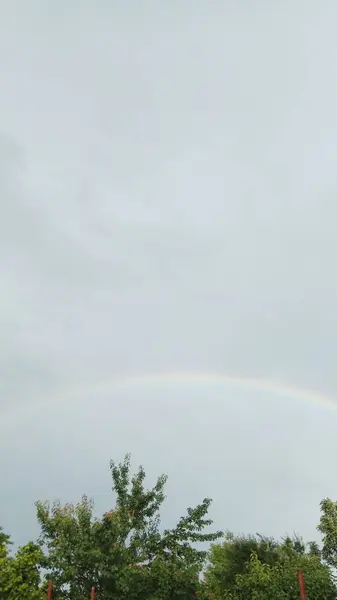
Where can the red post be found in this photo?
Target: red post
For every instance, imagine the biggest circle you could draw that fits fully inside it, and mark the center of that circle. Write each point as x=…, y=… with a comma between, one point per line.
x=92, y=593
x=50, y=590
x=302, y=585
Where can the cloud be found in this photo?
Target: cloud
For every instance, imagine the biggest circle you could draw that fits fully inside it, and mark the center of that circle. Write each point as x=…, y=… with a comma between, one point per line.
x=167, y=192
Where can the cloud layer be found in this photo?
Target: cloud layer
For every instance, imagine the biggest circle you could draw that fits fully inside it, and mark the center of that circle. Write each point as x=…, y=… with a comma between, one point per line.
x=167, y=193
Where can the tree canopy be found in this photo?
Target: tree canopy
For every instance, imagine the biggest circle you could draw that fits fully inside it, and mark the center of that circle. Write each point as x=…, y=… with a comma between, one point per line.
x=124, y=554
x=127, y=554
x=249, y=567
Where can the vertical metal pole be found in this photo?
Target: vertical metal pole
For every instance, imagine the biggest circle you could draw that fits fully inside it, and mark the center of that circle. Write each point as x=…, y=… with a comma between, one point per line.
x=92, y=593
x=302, y=585
x=50, y=590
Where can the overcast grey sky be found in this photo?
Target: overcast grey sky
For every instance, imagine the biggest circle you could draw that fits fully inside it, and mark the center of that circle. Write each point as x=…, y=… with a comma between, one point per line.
x=168, y=202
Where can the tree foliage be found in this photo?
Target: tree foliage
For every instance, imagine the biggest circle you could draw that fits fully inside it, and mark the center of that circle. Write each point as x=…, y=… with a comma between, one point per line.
x=20, y=575
x=278, y=581
x=249, y=567
x=328, y=528
x=126, y=554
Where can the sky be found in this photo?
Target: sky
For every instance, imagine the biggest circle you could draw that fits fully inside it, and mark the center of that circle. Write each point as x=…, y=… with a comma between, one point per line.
x=168, y=200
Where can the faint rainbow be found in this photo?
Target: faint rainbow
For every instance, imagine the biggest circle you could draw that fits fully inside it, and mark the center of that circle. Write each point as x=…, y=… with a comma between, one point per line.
x=74, y=393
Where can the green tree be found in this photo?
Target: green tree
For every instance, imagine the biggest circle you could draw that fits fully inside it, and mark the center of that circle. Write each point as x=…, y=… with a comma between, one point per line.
x=261, y=568
x=279, y=582
x=328, y=528
x=231, y=558
x=5, y=541
x=124, y=554
x=20, y=576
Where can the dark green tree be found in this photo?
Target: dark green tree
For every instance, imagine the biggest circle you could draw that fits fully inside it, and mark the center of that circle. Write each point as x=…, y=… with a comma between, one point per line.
x=279, y=581
x=231, y=558
x=248, y=567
